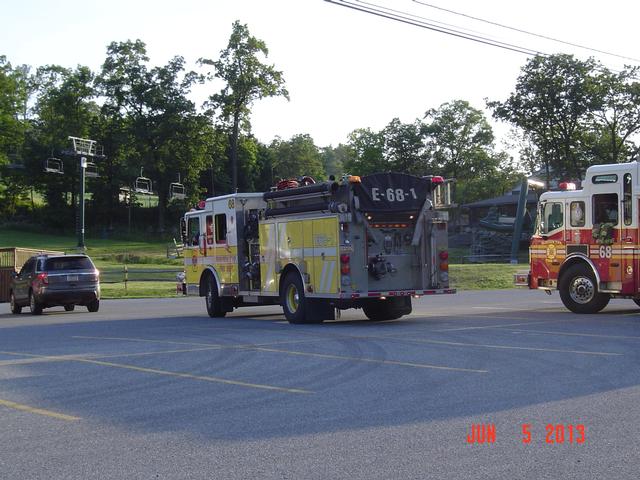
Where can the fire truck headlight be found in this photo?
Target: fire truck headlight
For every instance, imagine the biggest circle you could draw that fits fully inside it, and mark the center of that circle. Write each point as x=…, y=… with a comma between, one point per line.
x=444, y=276
x=345, y=281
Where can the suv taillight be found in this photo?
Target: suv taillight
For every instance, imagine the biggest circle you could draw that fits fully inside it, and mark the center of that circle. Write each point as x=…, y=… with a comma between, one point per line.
x=43, y=278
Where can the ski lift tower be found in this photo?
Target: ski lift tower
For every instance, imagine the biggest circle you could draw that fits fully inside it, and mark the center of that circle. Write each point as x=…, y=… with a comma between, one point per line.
x=85, y=151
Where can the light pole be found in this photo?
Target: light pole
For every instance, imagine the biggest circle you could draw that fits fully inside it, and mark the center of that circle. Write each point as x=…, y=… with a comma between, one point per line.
x=83, y=149
x=83, y=169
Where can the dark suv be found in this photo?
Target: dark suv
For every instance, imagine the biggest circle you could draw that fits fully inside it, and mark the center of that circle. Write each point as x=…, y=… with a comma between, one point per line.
x=56, y=280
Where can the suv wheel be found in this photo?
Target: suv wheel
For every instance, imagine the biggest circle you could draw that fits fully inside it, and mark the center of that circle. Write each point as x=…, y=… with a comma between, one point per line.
x=93, y=306
x=34, y=306
x=15, y=308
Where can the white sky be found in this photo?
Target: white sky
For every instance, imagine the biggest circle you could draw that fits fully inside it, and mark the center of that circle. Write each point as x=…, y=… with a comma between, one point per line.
x=344, y=69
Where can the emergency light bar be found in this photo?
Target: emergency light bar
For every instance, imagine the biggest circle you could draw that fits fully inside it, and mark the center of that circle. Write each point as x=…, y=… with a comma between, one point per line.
x=567, y=186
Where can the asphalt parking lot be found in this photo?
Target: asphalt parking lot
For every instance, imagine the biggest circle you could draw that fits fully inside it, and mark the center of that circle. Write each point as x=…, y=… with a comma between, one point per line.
x=156, y=389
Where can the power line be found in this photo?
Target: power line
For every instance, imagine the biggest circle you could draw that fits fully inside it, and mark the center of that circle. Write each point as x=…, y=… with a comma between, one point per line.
x=415, y=20
x=525, y=31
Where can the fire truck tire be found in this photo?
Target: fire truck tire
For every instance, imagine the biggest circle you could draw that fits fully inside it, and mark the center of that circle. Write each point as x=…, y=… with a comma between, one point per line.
x=294, y=301
x=389, y=309
x=579, y=291
x=212, y=299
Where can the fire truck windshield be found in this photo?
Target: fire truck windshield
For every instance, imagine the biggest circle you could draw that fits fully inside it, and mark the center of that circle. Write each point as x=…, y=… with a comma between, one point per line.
x=550, y=217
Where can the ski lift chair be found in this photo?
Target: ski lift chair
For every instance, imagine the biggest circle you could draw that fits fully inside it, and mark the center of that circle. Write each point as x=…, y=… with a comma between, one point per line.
x=91, y=170
x=143, y=185
x=177, y=191
x=54, y=165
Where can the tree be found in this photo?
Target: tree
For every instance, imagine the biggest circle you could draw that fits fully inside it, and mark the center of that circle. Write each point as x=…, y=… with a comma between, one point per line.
x=552, y=104
x=334, y=158
x=164, y=133
x=459, y=139
x=296, y=157
x=617, y=111
x=13, y=102
x=247, y=80
x=64, y=106
x=14, y=96
x=460, y=144
x=404, y=148
x=365, y=153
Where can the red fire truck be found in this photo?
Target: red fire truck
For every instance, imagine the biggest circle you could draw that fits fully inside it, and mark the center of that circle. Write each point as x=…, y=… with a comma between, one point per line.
x=586, y=242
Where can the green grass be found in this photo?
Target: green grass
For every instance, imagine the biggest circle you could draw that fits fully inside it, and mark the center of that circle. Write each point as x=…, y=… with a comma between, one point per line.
x=101, y=250
x=139, y=290
x=483, y=276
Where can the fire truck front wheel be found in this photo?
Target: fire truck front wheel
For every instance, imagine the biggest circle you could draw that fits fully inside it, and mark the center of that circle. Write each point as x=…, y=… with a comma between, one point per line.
x=579, y=291
x=212, y=299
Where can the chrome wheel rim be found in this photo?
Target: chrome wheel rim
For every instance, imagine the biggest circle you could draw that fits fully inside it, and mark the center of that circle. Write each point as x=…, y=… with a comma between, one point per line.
x=582, y=290
x=293, y=299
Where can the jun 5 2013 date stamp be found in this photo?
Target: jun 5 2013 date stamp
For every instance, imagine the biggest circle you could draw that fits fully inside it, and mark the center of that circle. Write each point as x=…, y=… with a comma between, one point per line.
x=554, y=434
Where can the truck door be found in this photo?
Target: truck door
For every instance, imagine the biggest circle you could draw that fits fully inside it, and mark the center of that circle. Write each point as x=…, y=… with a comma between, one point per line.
x=628, y=237
x=192, y=249
x=608, y=231
x=268, y=242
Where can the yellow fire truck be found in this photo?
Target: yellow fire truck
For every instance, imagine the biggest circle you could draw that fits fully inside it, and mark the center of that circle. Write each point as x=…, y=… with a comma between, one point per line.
x=372, y=243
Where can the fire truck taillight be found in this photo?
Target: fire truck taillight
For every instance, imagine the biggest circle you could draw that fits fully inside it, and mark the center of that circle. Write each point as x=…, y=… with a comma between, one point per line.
x=345, y=268
x=444, y=266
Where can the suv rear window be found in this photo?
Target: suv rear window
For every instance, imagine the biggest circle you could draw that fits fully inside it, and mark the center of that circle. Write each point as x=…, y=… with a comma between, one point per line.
x=68, y=263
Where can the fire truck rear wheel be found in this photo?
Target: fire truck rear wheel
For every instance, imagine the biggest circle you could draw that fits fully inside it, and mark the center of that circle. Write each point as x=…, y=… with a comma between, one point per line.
x=389, y=309
x=579, y=291
x=294, y=302
x=212, y=299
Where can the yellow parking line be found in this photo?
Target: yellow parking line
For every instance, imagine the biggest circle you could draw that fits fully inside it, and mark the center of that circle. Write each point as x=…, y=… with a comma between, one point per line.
x=165, y=372
x=509, y=347
x=367, y=360
x=40, y=359
x=320, y=355
x=571, y=334
x=37, y=411
x=490, y=326
x=144, y=340
x=29, y=361
x=193, y=377
x=159, y=352
x=209, y=346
